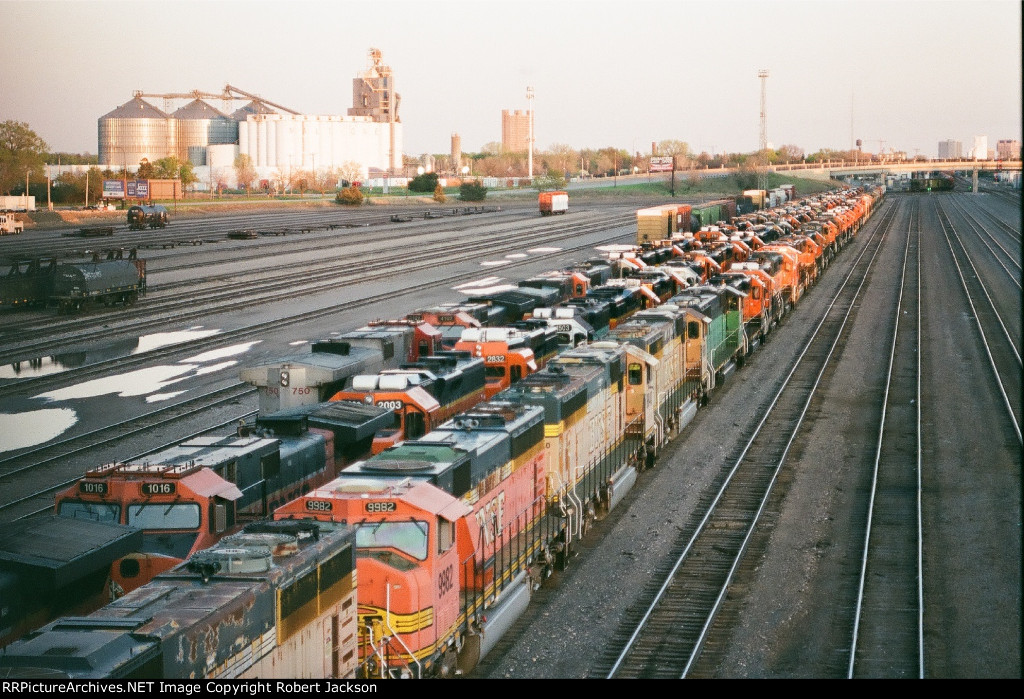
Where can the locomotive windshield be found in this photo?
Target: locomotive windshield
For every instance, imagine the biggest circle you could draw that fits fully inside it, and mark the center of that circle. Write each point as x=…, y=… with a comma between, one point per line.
x=407, y=537
x=164, y=516
x=96, y=511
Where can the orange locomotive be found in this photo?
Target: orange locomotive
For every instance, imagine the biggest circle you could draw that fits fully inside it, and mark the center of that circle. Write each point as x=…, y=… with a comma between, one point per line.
x=446, y=528
x=187, y=497
x=506, y=357
x=422, y=395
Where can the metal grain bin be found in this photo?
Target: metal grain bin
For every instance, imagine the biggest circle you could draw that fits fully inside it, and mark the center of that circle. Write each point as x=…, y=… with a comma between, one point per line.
x=134, y=131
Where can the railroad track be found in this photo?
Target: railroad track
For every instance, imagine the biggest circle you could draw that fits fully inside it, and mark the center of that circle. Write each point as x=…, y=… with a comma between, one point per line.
x=269, y=285
x=664, y=635
x=312, y=283
x=999, y=343
x=58, y=465
x=887, y=639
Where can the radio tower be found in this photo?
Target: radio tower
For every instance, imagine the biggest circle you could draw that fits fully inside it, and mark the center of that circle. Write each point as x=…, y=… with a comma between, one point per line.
x=762, y=175
x=763, y=74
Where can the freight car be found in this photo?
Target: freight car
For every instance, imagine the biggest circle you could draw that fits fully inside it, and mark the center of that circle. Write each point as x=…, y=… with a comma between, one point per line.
x=553, y=203
x=286, y=590
x=28, y=283
x=147, y=216
x=119, y=276
x=457, y=528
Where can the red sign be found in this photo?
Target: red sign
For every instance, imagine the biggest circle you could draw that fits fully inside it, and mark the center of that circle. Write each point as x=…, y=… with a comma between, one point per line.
x=661, y=163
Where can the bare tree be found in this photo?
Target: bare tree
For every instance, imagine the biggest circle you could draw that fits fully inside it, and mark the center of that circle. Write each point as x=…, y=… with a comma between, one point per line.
x=350, y=171
x=791, y=153
x=561, y=157
x=245, y=172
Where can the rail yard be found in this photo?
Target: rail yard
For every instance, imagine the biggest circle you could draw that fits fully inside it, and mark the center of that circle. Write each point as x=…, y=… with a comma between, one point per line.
x=818, y=516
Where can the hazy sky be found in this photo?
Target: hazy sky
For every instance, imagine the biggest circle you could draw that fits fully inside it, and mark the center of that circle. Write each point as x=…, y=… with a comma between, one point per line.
x=622, y=73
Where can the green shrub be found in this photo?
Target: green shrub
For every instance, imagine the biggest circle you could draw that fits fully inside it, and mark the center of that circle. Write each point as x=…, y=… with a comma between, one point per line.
x=472, y=191
x=350, y=196
x=426, y=182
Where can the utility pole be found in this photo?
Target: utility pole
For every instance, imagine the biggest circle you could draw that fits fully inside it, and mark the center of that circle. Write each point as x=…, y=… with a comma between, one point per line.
x=529, y=101
x=762, y=176
x=763, y=75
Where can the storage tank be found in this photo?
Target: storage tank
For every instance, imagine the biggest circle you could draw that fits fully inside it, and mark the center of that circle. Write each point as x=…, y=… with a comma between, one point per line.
x=200, y=125
x=221, y=155
x=134, y=131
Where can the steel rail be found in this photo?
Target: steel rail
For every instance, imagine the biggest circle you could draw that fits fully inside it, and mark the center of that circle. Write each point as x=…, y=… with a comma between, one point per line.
x=141, y=455
x=876, y=478
x=978, y=230
x=712, y=507
x=984, y=336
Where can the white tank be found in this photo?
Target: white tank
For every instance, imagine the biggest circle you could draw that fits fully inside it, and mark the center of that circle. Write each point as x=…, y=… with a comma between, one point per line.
x=272, y=143
x=222, y=155
x=261, y=143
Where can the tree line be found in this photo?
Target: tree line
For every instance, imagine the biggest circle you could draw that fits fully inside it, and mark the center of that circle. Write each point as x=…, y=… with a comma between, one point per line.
x=24, y=155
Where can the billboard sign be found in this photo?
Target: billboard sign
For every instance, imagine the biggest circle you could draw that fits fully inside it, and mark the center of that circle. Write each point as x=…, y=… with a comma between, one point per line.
x=113, y=189
x=661, y=163
x=137, y=189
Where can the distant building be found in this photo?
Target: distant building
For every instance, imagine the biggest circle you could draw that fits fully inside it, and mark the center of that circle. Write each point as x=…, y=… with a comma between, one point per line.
x=980, y=150
x=950, y=149
x=279, y=141
x=515, y=131
x=1007, y=149
x=456, y=153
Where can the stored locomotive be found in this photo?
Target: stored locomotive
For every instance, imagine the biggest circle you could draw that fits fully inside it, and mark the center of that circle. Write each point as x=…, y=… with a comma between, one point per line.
x=286, y=591
x=187, y=497
x=455, y=529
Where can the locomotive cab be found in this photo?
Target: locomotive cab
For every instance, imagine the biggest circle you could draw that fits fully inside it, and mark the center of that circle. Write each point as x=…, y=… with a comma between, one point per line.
x=180, y=509
x=407, y=566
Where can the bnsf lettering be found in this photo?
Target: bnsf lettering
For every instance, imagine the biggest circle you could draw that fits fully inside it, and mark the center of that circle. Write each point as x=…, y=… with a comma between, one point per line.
x=490, y=517
x=97, y=488
x=319, y=505
x=157, y=488
x=445, y=580
x=380, y=507
x=494, y=359
x=390, y=404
